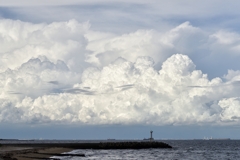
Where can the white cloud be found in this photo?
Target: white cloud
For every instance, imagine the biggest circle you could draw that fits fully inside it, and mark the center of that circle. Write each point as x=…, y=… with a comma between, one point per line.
x=232, y=75
x=35, y=78
x=133, y=93
x=229, y=41
x=231, y=109
x=64, y=72
x=181, y=39
x=129, y=46
x=60, y=40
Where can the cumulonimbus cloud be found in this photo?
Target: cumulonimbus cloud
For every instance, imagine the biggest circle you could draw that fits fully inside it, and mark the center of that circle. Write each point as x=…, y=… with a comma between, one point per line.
x=64, y=72
x=134, y=93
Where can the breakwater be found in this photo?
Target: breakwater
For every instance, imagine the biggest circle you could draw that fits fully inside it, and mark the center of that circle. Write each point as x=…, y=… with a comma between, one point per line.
x=97, y=145
x=132, y=145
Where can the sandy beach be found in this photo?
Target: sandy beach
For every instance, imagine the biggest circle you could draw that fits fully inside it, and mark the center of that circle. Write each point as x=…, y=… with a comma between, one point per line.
x=27, y=153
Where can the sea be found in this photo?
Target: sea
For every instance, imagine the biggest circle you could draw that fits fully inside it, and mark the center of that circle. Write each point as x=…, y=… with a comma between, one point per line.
x=182, y=150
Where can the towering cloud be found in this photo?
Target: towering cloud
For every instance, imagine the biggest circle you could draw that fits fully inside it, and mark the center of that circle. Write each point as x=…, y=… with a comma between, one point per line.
x=64, y=72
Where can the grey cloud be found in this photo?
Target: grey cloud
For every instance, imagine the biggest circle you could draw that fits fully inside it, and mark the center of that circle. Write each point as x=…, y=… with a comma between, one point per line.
x=235, y=83
x=13, y=92
x=126, y=86
x=128, y=16
x=53, y=82
x=232, y=83
x=78, y=91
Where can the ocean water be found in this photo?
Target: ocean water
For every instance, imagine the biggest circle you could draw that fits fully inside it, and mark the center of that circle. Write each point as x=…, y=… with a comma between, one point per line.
x=182, y=150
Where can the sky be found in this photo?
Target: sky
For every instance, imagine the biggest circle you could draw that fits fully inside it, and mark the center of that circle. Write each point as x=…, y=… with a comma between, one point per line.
x=102, y=69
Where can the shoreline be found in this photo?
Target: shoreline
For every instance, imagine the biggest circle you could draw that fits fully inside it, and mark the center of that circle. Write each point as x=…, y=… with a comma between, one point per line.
x=23, y=153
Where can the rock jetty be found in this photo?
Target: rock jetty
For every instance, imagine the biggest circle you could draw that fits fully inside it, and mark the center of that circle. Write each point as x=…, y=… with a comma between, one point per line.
x=98, y=145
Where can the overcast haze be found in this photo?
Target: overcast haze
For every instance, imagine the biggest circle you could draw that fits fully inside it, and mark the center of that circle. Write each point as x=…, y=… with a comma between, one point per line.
x=116, y=69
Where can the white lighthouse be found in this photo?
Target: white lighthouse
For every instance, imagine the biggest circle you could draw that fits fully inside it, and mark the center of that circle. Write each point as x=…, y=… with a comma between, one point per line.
x=151, y=138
